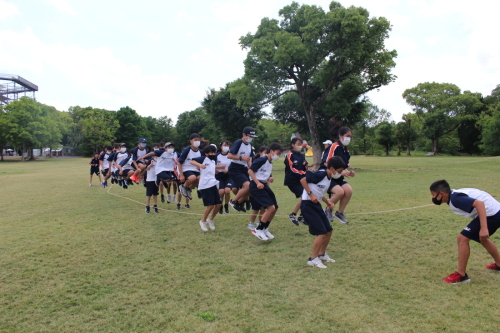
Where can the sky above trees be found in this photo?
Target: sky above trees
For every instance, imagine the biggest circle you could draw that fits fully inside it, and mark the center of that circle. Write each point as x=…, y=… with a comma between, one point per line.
x=161, y=57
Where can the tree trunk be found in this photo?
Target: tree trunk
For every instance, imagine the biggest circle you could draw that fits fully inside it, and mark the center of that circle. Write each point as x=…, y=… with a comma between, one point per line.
x=435, y=147
x=22, y=153
x=32, y=157
x=313, y=130
x=408, y=149
x=387, y=150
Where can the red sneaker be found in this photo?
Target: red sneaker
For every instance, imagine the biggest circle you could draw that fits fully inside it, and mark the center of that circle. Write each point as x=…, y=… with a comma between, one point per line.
x=494, y=267
x=135, y=179
x=457, y=278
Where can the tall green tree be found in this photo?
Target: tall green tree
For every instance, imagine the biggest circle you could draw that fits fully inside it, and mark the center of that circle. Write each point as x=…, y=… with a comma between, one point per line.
x=190, y=122
x=384, y=135
x=312, y=53
x=227, y=116
x=405, y=133
x=438, y=106
x=5, y=129
x=132, y=127
x=99, y=128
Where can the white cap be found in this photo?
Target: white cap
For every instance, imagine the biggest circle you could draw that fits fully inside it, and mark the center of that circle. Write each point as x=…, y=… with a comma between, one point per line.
x=328, y=142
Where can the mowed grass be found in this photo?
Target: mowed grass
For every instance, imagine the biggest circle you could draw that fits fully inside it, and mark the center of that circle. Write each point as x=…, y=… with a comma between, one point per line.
x=79, y=259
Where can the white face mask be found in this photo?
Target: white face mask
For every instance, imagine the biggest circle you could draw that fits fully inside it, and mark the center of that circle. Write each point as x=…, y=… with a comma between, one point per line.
x=249, y=139
x=225, y=149
x=336, y=176
x=170, y=151
x=108, y=152
x=346, y=141
x=143, y=145
x=275, y=157
x=123, y=150
x=297, y=148
x=196, y=144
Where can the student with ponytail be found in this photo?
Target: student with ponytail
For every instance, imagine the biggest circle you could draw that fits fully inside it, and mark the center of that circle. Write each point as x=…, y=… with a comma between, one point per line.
x=295, y=170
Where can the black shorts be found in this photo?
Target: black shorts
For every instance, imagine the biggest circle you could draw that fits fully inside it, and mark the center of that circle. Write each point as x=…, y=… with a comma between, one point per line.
x=151, y=189
x=188, y=174
x=94, y=169
x=105, y=172
x=296, y=189
x=239, y=177
x=315, y=217
x=126, y=171
x=262, y=198
x=210, y=196
x=334, y=182
x=165, y=175
x=471, y=231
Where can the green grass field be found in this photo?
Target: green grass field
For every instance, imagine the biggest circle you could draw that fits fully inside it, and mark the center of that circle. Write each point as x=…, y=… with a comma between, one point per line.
x=79, y=259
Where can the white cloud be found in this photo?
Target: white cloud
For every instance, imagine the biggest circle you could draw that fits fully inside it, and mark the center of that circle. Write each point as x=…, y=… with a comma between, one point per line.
x=7, y=9
x=153, y=36
x=62, y=6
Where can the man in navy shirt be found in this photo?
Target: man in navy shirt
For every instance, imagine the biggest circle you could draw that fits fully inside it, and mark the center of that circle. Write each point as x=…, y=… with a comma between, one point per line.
x=485, y=212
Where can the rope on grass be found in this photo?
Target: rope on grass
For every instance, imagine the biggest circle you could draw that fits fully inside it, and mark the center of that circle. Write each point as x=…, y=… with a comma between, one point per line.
x=186, y=213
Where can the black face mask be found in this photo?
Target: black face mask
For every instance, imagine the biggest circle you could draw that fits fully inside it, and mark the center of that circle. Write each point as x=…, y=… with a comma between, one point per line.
x=212, y=157
x=436, y=201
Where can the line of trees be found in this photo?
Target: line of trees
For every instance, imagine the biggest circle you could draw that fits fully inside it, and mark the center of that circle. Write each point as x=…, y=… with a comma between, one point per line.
x=312, y=69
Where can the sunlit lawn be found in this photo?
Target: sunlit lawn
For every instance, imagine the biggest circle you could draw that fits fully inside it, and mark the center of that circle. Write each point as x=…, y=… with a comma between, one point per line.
x=75, y=258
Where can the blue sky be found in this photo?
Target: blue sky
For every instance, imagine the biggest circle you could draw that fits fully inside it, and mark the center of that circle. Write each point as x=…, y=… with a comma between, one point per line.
x=160, y=57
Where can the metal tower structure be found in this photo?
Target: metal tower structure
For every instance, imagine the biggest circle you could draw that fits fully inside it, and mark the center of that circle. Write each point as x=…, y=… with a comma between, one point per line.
x=13, y=85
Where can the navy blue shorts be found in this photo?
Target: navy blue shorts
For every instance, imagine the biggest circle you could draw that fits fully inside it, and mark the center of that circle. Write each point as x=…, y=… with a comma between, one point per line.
x=105, y=172
x=210, y=196
x=165, y=175
x=188, y=174
x=228, y=182
x=296, y=189
x=315, y=217
x=262, y=198
x=239, y=177
x=151, y=189
x=334, y=182
x=471, y=231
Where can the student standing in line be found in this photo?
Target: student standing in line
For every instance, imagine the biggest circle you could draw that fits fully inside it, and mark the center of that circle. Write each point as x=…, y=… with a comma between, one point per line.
x=485, y=213
x=339, y=188
x=261, y=194
x=241, y=155
x=94, y=168
x=151, y=184
x=189, y=175
x=315, y=186
x=295, y=169
x=104, y=164
x=208, y=185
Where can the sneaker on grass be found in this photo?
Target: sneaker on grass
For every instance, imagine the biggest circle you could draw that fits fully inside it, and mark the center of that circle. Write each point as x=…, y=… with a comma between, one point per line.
x=178, y=206
x=211, y=224
x=248, y=205
x=221, y=211
x=183, y=190
x=293, y=218
x=326, y=258
x=155, y=209
x=251, y=225
x=169, y=198
x=316, y=262
x=494, y=267
x=235, y=205
x=226, y=208
x=203, y=226
x=147, y=210
x=341, y=217
x=456, y=278
x=260, y=234
x=268, y=234
x=187, y=206
x=162, y=198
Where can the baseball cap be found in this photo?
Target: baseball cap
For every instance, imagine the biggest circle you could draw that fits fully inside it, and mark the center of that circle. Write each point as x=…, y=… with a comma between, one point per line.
x=249, y=131
x=143, y=140
x=328, y=142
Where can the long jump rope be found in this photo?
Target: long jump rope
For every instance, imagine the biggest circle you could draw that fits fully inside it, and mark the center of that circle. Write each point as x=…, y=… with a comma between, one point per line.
x=186, y=213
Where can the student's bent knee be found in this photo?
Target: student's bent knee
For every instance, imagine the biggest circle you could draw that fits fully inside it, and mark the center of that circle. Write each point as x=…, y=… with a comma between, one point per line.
x=462, y=239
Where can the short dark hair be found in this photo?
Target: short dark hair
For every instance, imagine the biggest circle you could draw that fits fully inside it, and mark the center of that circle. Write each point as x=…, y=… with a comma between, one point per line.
x=294, y=141
x=336, y=162
x=209, y=149
x=194, y=136
x=276, y=146
x=440, y=186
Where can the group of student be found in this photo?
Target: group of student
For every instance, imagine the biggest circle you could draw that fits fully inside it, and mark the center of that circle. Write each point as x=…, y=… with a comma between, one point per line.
x=216, y=171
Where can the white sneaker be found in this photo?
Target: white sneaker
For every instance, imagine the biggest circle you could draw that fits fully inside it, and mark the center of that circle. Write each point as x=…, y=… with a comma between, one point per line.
x=260, y=234
x=316, y=262
x=268, y=234
x=183, y=191
x=203, y=226
x=251, y=225
x=169, y=198
x=326, y=258
x=175, y=198
x=90, y=185
x=211, y=224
